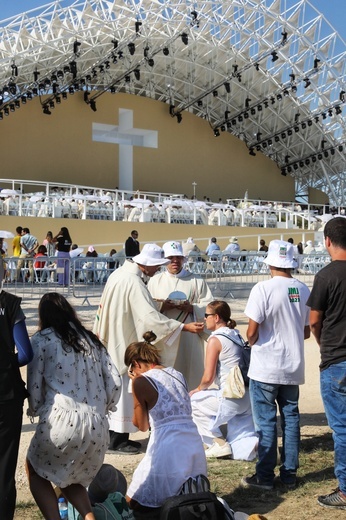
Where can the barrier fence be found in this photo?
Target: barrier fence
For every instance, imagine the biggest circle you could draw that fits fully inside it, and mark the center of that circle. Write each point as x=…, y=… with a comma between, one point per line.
x=228, y=275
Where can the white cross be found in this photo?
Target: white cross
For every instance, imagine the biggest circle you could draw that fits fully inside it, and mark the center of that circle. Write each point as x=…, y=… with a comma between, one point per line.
x=126, y=137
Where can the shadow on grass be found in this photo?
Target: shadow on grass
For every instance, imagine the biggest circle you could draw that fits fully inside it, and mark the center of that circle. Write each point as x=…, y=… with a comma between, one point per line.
x=317, y=442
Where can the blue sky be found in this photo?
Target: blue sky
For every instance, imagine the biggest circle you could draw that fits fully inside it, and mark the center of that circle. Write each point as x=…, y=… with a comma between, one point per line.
x=334, y=10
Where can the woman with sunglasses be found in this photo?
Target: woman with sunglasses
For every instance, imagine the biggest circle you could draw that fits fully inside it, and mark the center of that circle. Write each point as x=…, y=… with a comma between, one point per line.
x=210, y=410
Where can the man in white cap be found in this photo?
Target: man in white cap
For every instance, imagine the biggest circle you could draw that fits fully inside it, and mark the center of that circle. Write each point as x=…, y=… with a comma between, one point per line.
x=183, y=296
x=233, y=246
x=278, y=324
x=125, y=313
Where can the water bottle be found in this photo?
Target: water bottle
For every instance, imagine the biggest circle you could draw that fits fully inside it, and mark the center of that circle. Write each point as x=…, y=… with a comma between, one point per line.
x=63, y=510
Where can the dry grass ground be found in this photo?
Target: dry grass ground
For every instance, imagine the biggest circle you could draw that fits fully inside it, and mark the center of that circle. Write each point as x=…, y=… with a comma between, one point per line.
x=316, y=460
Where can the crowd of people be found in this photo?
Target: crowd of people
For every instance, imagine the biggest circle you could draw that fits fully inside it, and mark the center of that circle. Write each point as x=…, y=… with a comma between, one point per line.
x=159, y=358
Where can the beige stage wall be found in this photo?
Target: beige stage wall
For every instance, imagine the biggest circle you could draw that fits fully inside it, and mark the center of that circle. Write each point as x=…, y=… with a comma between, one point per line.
x=59, y=148
x=105, y=235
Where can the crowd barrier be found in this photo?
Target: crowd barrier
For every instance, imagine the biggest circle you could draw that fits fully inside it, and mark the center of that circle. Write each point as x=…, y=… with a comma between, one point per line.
x=227, y=274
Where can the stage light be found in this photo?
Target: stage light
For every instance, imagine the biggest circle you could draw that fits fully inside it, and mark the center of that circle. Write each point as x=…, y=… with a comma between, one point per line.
x=284, y=35
x=216, y=132
x=246, y=115
x=313, y=158
x=215, y=93
x=289, y=132
x=14, y=69
x=17, y=103
x=296, y=129
x=120, y=55
x=247, y=102
x=320, y=157
x=64, y=95
x=258, y=136
x=138, y=26
x=239, y=77
x=317, y=119
x=71, y=90
x=323, y=143
x=229, y=124
x=185, y=38
x=35, y=91
x=227, y=86
x=316, y=62
x=340, y=148
x=51, y=104
x=253, y=111
x=115, y=43
x=1, y=116
x=289, y=169
x=234, y=122
x=274, y=55
x=240, y=119
x=24, y=98
x=283, y=172
x=272, y=100
x=6, y=111
x=307, y=82
x=36, y=75
x=252, y=152
x=227, y=113
x=58, y=100
x=199, y=103
x=101, y=68
x=330, y=112
x=342, y=96
x=266, y=104
x=137, y=74
x=276, y=138
x=292, y=76
x=146, y=51
x=279, y=97
x=270, y=142
x=179, y=117
x=112, y=90
x=332, y=151
x=107, y=64
x=235, y=68
x=285, y=92
x=287, y=157
x=60, y=74
x=303, y=126
x=324, y=115
x=127, y=78
x=295, y=166
x=86, y=96
x=12, y=107
x=46, y=110
x=257, y=66
x=132, y=48
x=301, y=164
x=325, y=153
x=259, y=108
x=294, y=88
x=309, y=122
x=93, y=105
x=283, y=135
x=165, y=51
x=338, y=110
x=222, y=128
x=76, y=46
x=151, y=62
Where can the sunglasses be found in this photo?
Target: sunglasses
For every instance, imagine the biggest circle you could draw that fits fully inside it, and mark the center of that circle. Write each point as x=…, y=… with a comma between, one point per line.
x=211, y=314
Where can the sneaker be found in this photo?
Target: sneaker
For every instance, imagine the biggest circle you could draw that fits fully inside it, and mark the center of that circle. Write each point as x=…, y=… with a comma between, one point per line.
x=283, y=484
x=336, y=500
x=255, y=483
x=125, y=448
x=218, y=451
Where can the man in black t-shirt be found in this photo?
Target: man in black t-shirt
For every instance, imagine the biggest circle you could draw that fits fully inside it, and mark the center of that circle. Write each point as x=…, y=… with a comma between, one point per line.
x=328, y=324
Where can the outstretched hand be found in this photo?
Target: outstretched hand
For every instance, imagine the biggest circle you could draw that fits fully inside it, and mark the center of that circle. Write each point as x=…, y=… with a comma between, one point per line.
x=194, y=327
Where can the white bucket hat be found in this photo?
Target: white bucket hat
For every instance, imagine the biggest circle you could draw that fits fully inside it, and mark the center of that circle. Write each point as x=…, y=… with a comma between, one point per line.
x=172, y=249
x=151, y=254
x=233, y=240
x=280, y=254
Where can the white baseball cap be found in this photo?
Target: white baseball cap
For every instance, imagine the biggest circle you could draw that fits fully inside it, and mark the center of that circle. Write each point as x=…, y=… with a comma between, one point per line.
x=280, y=254
x=172, y=249
x=151, y=254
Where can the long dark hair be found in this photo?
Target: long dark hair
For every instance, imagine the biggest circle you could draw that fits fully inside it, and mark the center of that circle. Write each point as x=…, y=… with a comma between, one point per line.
x=64, y=232
x=143, y=351
x=56, y=312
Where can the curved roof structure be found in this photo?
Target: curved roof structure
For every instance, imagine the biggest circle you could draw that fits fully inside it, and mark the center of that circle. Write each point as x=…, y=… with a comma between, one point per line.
x=272, y=75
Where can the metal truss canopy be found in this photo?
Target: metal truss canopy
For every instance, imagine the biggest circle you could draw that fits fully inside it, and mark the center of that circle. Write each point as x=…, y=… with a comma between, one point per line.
x=271, y=74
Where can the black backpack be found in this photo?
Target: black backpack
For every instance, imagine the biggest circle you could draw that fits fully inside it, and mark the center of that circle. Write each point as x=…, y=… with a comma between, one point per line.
x=203, y=505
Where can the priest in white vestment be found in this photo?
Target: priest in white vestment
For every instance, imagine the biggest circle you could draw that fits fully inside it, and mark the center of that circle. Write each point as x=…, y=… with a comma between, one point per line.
x=183, y=296
x=125, y=313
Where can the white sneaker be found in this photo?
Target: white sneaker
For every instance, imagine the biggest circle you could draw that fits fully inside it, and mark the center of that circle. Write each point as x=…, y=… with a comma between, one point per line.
x=218, y=451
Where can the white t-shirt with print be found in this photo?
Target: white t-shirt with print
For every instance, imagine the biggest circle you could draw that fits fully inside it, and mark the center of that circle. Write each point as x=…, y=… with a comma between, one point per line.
x=279, y=306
